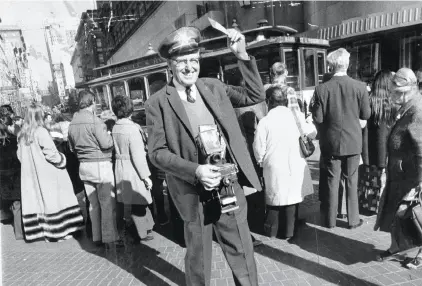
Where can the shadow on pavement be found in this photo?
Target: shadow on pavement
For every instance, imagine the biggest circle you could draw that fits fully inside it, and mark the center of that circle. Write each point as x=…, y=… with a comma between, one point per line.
x=313, y=268
x=142, y=261
x=334, y=247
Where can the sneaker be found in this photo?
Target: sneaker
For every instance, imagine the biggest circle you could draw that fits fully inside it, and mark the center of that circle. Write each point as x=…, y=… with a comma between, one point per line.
x=415, y=263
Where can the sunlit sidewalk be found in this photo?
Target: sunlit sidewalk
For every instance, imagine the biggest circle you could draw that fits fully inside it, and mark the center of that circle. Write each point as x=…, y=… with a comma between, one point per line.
x=319, y=257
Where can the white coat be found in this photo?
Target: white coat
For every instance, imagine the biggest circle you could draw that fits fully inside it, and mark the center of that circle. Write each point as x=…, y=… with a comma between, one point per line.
x=276, y=148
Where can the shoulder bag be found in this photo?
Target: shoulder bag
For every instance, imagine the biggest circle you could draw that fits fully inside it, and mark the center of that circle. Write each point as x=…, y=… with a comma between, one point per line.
x=305, y=143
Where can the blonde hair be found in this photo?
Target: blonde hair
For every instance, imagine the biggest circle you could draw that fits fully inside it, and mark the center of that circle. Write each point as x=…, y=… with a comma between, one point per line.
x=339, y=59
x=33, y=119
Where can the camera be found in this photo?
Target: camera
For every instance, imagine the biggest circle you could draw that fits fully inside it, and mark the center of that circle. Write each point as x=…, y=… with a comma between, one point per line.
x=213, y=149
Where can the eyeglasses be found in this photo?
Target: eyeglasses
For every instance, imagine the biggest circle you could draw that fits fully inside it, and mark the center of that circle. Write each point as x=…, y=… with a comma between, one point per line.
x=183, y=63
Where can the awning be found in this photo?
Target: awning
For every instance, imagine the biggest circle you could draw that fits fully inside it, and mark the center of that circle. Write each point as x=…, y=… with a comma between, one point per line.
x=406, y=16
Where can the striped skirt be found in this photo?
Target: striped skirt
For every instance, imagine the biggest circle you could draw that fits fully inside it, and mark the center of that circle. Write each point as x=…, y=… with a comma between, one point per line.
x=52, y=226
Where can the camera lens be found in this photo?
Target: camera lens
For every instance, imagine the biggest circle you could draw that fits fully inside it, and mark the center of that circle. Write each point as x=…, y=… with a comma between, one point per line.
x=215, y=159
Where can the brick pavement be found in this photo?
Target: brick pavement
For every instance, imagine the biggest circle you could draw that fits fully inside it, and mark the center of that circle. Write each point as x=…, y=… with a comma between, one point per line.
x=319, y=257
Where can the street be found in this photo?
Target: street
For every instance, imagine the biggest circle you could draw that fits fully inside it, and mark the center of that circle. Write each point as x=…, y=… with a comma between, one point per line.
x=319, y=257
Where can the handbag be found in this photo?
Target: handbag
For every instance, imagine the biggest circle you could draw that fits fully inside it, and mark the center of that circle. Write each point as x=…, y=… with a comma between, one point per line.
x=416, y=214
x=305, y=143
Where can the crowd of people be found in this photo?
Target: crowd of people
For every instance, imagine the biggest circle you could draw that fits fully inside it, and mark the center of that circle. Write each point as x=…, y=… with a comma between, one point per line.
x=58, y=174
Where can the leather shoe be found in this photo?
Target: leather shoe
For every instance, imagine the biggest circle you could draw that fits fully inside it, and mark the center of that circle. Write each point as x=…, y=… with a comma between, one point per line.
x=357, y=225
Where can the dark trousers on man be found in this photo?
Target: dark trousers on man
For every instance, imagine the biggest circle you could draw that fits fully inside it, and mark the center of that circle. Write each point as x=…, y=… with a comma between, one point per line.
x=336, y=168
x=233, y=235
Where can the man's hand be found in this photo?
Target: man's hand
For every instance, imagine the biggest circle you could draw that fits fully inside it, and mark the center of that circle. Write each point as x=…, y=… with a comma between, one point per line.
x=237, y=44
x=209, y=176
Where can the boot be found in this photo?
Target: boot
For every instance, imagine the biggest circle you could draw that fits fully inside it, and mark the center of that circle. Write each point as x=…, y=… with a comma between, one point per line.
x=17, y=220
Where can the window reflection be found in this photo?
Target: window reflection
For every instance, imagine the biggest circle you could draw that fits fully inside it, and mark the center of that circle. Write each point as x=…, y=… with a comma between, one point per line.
x=363, y=62
x=156, y=82
x=117, y=88
x=309, y=75
x=292, y=64
x=102, y=98
x=137, y=92
x=321, y=66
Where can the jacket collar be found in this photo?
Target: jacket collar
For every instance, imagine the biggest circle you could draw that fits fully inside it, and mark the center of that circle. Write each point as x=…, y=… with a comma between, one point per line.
x=405, y=108
x=177, y=106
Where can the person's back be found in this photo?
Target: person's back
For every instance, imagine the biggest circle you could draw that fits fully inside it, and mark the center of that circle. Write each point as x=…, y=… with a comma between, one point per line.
x=93, y=145
x=88, y=137
x=338, y=104
x=344, y=104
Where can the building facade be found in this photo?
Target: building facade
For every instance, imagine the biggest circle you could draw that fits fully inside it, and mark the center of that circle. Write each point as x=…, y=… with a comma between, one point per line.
x=378, y=34
x=13, y=67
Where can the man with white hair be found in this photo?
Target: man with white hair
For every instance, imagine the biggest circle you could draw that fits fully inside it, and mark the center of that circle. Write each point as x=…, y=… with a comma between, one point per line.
x=338, y=105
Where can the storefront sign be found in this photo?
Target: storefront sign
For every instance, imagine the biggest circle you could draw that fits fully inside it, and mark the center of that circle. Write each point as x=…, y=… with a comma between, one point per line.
x=407, y=16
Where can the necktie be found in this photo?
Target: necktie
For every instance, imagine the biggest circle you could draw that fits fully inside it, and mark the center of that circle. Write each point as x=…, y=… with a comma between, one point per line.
x=188, y=95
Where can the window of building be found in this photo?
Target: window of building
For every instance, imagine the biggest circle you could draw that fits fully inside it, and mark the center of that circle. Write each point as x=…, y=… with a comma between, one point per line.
x=99, y=44
x=364, y=61
x=411, y=51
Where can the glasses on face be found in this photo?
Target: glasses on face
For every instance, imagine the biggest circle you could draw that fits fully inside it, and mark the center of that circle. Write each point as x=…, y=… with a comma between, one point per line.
x=184, y=62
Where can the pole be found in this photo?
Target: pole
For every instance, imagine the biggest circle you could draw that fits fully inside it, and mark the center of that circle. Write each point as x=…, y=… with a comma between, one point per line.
x=273, y=12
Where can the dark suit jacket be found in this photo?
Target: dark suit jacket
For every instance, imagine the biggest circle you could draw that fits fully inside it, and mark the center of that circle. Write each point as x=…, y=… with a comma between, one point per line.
x=171, y=145
x=338, y=105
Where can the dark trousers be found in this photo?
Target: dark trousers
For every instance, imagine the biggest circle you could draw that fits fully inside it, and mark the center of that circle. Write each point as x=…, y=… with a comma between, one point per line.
x=178, y=224
x=280, y=220
x=233, y=235
x=158, y=197
x=338, y=167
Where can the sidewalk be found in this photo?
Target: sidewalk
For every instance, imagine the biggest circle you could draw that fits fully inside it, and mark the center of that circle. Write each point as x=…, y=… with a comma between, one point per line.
x=320, y=257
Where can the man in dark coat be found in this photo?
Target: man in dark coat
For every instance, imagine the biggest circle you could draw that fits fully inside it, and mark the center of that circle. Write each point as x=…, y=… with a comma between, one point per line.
x=174, y=116
x=338, y=105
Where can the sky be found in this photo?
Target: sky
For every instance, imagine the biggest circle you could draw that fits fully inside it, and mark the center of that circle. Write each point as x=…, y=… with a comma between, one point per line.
x=30, y=15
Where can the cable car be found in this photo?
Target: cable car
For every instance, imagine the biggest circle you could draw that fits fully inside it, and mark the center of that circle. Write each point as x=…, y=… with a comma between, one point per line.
x=140, y=78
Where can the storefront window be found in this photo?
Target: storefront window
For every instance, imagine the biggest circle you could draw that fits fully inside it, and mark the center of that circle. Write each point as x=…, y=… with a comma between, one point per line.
x=364, y=62
x=117, y=88
x=309, y=67
x=156, y=82
x=411, y=51
x=137, y=92
x=292, y=63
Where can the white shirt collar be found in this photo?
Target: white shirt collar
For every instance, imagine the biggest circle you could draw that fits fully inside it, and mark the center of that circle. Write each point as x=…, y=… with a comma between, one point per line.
x=181, y=90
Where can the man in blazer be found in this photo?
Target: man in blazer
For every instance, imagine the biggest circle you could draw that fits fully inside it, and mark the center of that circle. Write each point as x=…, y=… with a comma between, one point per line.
x=338, y=105
x=174, y=115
